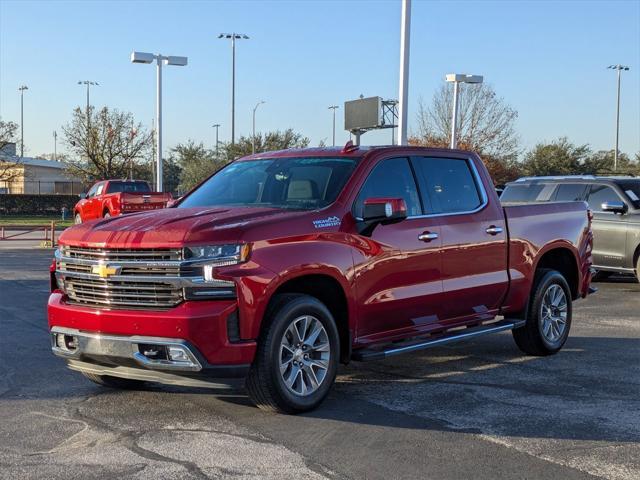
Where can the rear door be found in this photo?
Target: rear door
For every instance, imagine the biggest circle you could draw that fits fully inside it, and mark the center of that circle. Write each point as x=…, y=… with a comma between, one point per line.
x=609, y=229
x=398, y=277
x=473, y=233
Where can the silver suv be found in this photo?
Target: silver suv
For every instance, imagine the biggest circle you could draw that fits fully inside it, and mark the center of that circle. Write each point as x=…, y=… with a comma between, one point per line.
x=615, y=202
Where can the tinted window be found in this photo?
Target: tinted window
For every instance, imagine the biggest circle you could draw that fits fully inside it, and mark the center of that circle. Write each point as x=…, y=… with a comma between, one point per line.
x=601, y=194
x=92, y=190
x=631, y=189
x=570, y=192
x=298, y=183
x=390, y=178
x=448, y=185
x=527, y=192
x=117, y=186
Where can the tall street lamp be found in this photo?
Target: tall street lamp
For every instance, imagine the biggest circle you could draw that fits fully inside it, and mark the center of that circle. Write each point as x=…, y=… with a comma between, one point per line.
x=233, y=37
x=142, y=57
x=457, y=79
x=21, y=90
x=216, y=126
x=334, y=107
x=619, y=68
x=403, y=94
x=88, y=83
x=55, y=146
x=253, y=136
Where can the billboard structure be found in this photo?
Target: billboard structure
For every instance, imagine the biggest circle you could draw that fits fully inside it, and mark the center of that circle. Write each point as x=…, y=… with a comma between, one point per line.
x=371, y=113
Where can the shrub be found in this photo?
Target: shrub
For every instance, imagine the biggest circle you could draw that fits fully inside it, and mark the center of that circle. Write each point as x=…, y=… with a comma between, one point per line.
x=11, y=204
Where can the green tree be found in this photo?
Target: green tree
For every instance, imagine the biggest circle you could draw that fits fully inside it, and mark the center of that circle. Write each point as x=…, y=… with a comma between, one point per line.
x=105, y=144
x=602, y=162
x=560, y=157
x=267, y=142
x=195, y=162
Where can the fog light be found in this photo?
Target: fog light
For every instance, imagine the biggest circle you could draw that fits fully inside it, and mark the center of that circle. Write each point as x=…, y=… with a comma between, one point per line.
x=178, y=354
x=66, y=342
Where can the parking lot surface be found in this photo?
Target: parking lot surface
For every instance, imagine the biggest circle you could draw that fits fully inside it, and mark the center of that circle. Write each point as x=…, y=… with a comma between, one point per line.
x=478, y=409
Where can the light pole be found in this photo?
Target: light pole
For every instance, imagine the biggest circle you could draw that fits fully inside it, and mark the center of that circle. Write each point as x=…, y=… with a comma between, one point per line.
x=216, y=126
x=403, y=94
x=457, y=79
x=253, y=136
x=55, y=146
x=142, y=57
x=233, y=37
x=334, y=107
x=21, y=90
x=88, y=83
x=619, y=68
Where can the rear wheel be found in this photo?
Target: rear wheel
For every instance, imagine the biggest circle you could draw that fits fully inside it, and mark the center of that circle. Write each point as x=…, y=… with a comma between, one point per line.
x=114, y=382
x=106, y=215
x=638, y=268
x=77, y=219
x=548, y=318
x=297, y=356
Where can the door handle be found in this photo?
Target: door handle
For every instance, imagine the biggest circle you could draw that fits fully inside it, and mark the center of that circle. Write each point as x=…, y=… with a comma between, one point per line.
x=493, y=230
x=427, y=236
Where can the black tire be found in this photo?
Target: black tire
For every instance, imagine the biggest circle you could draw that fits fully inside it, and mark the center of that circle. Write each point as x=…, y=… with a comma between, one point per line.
x=77, y=219
x=114, y=382
x=601, y=275
x=265, y=383
x=530, y=338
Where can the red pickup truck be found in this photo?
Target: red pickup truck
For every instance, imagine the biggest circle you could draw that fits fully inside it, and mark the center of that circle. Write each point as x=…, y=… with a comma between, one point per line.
x=283, y=264
x=110, y=198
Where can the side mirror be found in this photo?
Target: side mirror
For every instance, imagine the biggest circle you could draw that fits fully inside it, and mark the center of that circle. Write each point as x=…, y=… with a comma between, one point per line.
x=615, y=207
x=82, y=196
x=381, y=211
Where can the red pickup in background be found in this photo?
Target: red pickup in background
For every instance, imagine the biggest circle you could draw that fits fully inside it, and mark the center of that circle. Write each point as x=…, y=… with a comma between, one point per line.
x=110, y=198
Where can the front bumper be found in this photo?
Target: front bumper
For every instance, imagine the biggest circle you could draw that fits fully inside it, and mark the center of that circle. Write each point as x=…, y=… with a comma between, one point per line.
x=136, y=357
x=109, y=340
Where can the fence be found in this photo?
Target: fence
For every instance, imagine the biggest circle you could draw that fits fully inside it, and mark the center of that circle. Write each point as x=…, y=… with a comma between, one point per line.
x=37, y=187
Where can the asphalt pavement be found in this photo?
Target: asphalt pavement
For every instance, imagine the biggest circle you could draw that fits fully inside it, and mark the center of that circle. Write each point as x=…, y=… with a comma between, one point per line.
x=478, y=409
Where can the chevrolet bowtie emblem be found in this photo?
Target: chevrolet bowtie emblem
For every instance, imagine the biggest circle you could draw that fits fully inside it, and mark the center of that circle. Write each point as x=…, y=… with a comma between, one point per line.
x=104, y=271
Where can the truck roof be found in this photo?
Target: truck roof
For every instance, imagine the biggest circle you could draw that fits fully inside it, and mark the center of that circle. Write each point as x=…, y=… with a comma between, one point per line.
x=349, y=150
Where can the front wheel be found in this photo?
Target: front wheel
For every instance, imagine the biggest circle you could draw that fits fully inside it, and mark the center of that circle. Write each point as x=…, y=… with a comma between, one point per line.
x=548, y=317
x=297, y=356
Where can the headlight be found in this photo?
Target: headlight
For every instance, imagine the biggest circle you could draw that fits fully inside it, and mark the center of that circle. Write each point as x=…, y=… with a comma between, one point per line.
x=219, y=255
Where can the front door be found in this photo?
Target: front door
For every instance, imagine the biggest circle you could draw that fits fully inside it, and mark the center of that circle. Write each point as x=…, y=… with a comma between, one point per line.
x=397, y=268
x=609, y=229
x=473, y=234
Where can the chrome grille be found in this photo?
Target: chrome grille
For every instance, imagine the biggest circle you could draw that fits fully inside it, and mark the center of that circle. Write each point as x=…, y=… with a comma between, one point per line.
x=139, y=279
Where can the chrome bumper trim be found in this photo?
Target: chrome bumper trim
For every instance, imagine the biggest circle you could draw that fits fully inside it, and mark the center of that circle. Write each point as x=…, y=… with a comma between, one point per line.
x=95, y=345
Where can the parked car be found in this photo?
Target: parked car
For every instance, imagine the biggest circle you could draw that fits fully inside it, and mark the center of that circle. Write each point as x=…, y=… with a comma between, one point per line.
x=283, y=264
x=615, y=202
x=109, y=198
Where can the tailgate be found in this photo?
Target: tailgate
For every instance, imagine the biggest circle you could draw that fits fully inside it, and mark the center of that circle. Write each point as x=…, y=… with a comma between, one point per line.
x=144, y=201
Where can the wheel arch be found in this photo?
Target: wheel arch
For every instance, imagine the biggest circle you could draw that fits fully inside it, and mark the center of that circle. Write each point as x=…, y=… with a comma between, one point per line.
x=564, y=260
x=330, y=291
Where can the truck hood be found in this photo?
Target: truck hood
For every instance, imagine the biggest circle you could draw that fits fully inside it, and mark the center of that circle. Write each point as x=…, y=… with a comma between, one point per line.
x=172, y=227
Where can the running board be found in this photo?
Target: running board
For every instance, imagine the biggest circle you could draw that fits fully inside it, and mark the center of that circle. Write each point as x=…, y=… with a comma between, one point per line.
x=412, y=345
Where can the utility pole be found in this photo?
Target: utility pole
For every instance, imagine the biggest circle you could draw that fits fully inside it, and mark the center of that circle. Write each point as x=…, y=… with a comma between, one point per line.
x=619, y=68
x=21, y=90
x=253, y=135
x=334, y=107
x=233, y=37
x=216, y=126
x=457, y=79
x=405, y=38
x=55, y=146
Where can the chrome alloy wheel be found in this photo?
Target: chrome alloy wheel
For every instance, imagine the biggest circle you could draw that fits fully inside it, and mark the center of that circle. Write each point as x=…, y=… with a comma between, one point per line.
x=304, y=355
x=553, y=313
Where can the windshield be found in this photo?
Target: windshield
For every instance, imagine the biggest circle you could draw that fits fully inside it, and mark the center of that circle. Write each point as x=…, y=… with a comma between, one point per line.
x=297, y=183
x=631, y=189
x=139, y=187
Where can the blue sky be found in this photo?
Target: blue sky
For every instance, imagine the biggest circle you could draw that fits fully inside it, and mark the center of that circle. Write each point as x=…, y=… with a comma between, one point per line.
x=547, y=59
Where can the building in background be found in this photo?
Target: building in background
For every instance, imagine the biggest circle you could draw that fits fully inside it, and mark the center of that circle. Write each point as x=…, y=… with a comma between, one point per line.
x=38, y=176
